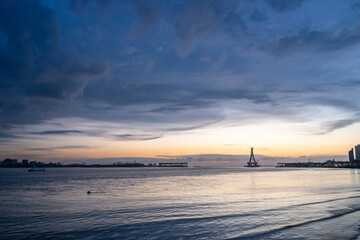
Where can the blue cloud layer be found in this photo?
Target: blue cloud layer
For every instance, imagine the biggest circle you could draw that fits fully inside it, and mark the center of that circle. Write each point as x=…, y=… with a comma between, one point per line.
x=168, y=61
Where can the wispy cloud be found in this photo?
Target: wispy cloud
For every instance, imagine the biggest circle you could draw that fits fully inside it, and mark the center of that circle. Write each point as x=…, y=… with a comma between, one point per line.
x=331, y=126
x=140, y=137
x=58, y=132
x=49, y=149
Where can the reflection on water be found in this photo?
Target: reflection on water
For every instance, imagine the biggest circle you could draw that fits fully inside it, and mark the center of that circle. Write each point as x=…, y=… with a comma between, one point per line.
x=180, y=203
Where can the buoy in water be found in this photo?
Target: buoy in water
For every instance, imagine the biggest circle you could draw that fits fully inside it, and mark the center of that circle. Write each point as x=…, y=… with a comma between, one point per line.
x=88, y=192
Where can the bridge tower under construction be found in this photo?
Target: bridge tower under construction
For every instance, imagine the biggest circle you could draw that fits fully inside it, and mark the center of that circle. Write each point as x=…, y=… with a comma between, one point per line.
x=252, y=162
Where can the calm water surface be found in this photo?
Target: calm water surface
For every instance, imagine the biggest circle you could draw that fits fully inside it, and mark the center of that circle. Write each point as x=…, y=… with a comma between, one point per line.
x=180, y=203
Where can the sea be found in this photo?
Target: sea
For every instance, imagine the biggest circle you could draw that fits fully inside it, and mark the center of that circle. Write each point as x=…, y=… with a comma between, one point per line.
x=180, y=203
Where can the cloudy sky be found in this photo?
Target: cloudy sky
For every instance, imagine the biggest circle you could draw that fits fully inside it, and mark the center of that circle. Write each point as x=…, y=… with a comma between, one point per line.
x=104, y=79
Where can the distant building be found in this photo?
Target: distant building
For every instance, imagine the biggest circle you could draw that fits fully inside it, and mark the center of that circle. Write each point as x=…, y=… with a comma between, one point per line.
x=32, y=163
x=351, y=155
x=357, y=151
x=25, y=162
x=9, y=162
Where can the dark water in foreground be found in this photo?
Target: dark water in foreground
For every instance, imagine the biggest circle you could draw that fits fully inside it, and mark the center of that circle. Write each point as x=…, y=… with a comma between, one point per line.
x=180, y=203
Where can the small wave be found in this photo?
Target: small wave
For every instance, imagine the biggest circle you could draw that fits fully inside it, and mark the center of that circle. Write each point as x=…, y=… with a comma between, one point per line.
x=336, y=214
x=310, y=203
x=165, y=209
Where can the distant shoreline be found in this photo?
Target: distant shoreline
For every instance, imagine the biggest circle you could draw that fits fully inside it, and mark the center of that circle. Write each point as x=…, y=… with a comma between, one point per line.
x=114, y=165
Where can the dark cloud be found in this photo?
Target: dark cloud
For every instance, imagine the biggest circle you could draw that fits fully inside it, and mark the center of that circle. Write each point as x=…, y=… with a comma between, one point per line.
x=58, y=132
x=258, y=16
x=234, y=25
x=40, y=149
x=199, y=19
x=194, y=20
x=82, y=5
x=331, y=126
x=316, y=40
x=118, y=93
x=7, y=136
x=174, y=97
x=32, y=55
x=356, y=5
x=34, y=66
x=347, y=104
x=88, y=133
x=257, y=97
x=59, y=148
x=74, y=147
x=284, y=5
x=18, y=110
x=342, y=123
x=148, y=14
x=352, y=83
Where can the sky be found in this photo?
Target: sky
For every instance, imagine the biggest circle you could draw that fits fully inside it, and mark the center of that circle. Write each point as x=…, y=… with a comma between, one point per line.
x=106, y=80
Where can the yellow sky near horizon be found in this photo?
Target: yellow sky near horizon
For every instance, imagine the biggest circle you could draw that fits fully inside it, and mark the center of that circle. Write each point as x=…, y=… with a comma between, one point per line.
x=274, y=140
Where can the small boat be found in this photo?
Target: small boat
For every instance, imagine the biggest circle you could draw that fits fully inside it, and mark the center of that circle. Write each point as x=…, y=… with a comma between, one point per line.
x=36, y=169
